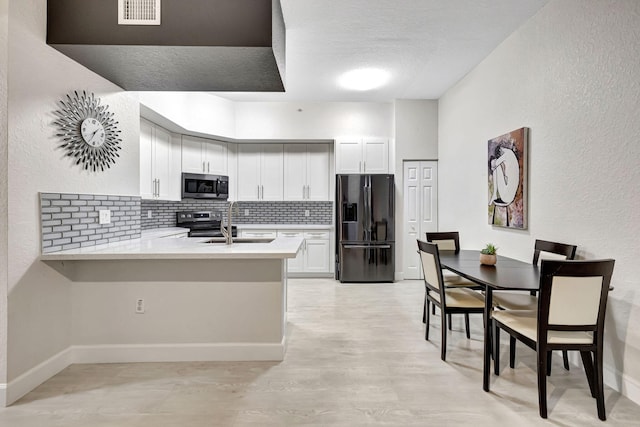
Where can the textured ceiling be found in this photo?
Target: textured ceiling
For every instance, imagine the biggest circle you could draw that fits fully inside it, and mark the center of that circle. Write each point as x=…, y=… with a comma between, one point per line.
x=426, y=45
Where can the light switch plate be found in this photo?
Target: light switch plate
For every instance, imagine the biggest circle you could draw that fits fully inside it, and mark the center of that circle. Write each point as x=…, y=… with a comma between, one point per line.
x=104, y=216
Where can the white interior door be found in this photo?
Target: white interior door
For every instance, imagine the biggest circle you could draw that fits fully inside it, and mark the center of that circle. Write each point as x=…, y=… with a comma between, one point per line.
x=420, y=184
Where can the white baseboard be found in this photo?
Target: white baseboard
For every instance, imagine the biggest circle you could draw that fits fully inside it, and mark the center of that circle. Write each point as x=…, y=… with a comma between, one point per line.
x=3, y=395
x=124, y=353
x=200, y=352
x=35, y=376
x=621, y=383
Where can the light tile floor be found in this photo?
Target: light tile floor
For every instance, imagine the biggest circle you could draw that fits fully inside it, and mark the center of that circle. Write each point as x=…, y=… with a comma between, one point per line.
x=356, y=357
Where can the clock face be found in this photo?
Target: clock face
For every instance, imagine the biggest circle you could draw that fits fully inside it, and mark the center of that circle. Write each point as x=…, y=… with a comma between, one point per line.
x=88, y=131
x=92, y=132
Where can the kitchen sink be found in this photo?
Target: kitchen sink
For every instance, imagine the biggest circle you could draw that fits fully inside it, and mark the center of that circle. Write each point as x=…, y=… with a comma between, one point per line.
x=241, y=240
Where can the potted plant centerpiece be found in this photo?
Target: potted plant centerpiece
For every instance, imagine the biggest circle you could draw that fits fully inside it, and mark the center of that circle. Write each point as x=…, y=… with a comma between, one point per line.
x=488, y=255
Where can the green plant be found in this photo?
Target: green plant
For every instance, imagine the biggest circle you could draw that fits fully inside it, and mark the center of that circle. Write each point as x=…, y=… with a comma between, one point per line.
x=490, y=249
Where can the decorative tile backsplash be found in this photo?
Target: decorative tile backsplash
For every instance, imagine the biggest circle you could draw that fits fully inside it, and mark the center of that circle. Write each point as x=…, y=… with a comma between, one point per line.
x=70, y=221
x=163, y=213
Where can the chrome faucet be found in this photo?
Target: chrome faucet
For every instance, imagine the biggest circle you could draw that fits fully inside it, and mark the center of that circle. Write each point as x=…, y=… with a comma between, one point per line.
x=228, y=233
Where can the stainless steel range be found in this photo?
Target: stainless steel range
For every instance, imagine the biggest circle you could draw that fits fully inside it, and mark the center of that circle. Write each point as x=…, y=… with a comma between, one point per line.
x=203, y=223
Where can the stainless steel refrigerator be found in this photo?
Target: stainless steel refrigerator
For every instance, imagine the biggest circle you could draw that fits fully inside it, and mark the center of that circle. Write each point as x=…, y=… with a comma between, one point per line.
x=365, y=232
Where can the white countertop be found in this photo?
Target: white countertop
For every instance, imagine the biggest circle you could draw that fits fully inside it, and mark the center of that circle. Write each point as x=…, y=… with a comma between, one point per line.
x=179, y=248
x=283, y=226
x=157, y=233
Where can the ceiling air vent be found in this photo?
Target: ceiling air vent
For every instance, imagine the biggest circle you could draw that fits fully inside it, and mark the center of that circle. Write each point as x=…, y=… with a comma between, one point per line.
x=139, y=12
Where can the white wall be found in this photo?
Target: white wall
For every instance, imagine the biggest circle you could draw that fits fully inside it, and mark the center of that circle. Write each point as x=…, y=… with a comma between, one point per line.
x=571, y=74
x=38, y=76
x=416, y=138
x=196, y=112
x=4, y=27
x=319, y=120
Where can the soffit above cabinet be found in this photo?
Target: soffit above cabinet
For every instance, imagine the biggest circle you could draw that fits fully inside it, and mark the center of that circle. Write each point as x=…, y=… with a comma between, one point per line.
x=200, y=45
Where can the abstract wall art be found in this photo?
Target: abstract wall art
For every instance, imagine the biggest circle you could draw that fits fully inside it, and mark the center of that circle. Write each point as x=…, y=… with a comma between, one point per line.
x=507, y=179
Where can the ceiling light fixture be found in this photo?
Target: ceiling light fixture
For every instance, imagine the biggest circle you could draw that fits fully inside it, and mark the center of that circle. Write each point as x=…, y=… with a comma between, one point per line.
x=364, y=79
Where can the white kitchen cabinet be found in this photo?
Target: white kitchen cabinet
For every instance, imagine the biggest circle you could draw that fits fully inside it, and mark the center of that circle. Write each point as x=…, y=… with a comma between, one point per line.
x=258, y=233
x=159, y=163
x=362, y=155
x=260, y=172
x=294, y=265
x=317, y=252
x=306, y=172
x=200, y=155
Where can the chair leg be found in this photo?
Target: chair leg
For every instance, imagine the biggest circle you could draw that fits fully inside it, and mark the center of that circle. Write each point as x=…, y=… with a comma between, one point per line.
x=588, y=370
x=565, y=359
x=433, y=309
x=496, y=348
x=424, y=310
x=466, y=325
x=548, y=363
x=449, y=320
x=542, y=380
x=426, y=329
x=512, y=352
x=443, y=328
x=599, y=383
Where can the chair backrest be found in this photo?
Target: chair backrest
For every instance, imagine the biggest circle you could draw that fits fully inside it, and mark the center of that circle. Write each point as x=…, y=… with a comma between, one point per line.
x=552, y=251
x=446, y=240
x=573, y=296
x=431, y=267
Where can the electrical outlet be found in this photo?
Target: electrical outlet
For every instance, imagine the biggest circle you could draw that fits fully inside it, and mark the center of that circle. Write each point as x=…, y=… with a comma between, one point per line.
x=104, y=216
x=149, y=214
x=306, y=212
x=246, y=212
x=139, y=306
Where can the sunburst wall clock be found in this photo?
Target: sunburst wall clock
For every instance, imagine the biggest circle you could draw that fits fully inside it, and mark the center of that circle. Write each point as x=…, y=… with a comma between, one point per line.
x=89, y=133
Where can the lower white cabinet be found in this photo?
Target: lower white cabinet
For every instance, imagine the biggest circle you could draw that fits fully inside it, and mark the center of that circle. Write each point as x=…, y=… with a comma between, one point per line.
x=258, y=234
x=314, y=255
x=317, y=252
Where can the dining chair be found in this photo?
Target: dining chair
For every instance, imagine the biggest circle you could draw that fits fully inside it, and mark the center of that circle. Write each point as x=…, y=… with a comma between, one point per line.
x=543, y=250
x=450, y=241
x=570, y=316
x=449, y=300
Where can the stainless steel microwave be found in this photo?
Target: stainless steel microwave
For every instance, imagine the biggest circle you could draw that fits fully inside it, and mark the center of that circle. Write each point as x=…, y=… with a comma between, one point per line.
x=201, y=186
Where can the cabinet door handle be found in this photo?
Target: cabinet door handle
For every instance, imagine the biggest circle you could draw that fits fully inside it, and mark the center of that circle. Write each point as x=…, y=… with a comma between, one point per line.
x=364, y=169
x=262, y=192
x=208, y=167
x=153, y=191
x=203, y=170
x=258, y=191
x=158, y=187
x=360, y=166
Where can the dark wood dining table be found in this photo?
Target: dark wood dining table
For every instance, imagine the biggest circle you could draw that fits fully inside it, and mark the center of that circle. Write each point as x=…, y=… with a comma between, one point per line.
x=507, y=274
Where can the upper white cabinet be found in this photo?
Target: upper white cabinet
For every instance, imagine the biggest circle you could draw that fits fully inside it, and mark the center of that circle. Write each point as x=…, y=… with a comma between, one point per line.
x=260, y=172
x=200, y=155
x=362, y=155
x=306, y=172
x=159, y=163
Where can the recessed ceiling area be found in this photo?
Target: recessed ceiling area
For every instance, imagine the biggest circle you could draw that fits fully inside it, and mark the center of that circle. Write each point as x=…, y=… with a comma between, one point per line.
x=426, y=46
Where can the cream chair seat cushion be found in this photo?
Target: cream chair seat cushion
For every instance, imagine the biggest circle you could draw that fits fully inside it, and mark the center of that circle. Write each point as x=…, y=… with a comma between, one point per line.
x=515, y=300
x=525, y=322
x=453, y=280
x=461, y=298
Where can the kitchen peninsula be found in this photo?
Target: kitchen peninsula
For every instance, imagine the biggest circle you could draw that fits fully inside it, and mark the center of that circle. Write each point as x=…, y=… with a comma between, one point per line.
x=219, y=302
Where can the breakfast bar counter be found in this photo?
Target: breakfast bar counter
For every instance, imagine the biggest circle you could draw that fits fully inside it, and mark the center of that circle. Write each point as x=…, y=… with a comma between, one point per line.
x=200, y=301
